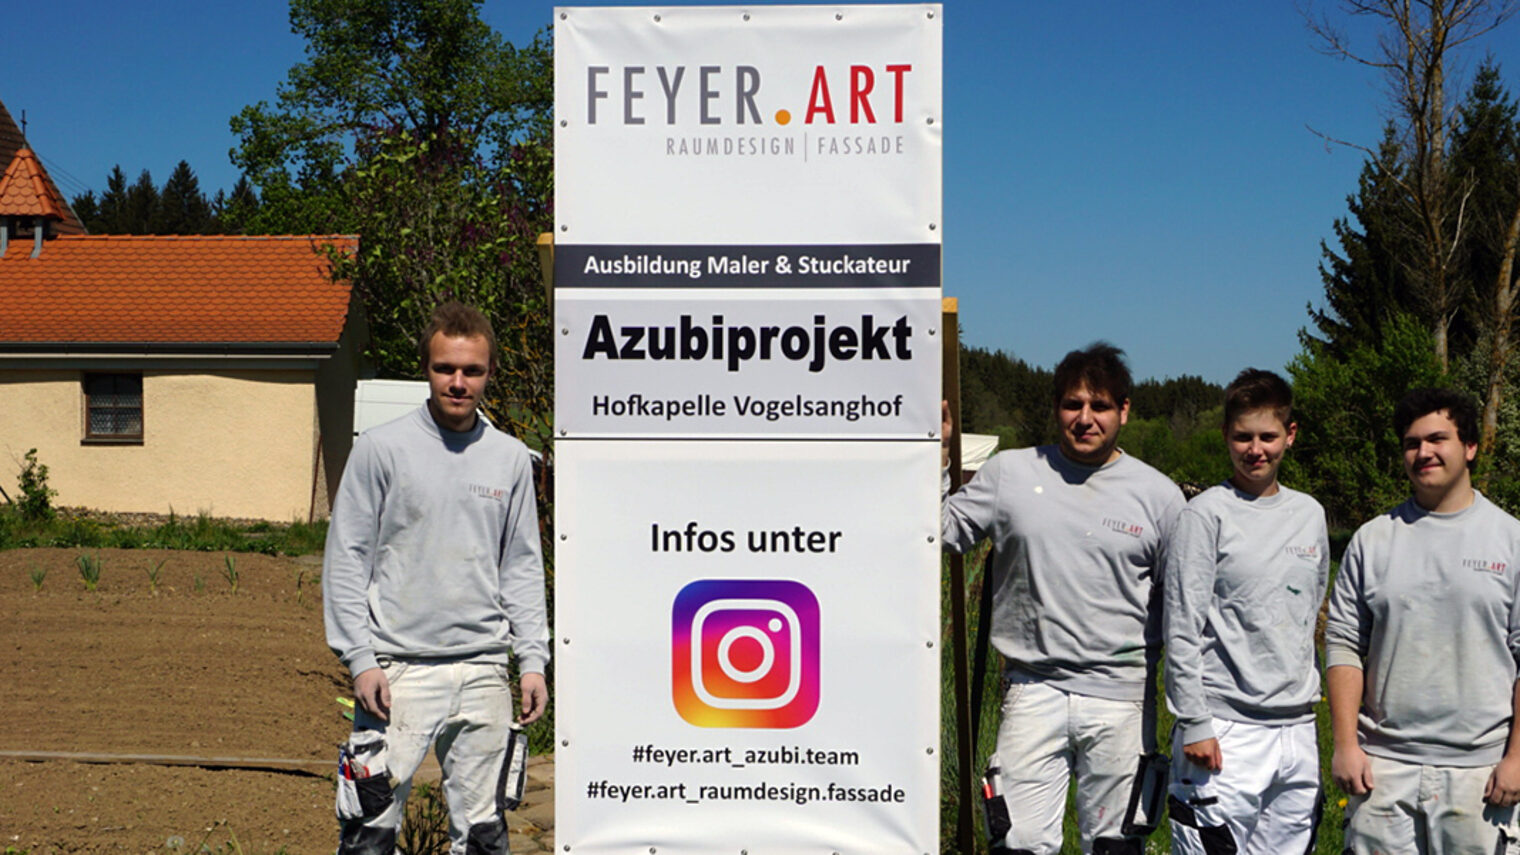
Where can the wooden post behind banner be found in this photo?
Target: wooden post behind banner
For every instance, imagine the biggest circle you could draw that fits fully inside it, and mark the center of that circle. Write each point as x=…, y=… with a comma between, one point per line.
x=546, y=264
x=965, y=751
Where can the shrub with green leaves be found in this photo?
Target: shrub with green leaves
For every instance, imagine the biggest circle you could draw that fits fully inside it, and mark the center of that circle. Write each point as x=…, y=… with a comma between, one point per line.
x=36, y=497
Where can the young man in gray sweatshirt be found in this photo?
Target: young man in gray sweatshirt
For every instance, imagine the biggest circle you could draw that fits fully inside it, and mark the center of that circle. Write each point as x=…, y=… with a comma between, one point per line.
x=1079, y=528
x=1421, y=647
x=1245, y=576
x=432, y=578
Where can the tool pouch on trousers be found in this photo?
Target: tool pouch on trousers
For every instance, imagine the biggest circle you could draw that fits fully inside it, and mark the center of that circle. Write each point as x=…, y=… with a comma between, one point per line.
x=1147, y=798
x=514, y=772
x=364, y=785
x=994, y=806
x=514, y=767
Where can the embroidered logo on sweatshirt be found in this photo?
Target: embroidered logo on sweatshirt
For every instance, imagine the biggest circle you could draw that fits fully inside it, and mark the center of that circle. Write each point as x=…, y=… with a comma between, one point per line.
x=1307, y=553
x=1123, y=527
x=1480, y=564
x=493, y=493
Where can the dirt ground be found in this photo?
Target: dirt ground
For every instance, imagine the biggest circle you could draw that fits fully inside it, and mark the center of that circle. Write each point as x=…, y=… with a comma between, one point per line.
x=194, y=669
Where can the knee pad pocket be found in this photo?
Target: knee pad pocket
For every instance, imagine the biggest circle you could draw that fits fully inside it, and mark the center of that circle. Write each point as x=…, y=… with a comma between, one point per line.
x=1216, y=839
x=487, y=838
x=356, y=838
x=1119, y=846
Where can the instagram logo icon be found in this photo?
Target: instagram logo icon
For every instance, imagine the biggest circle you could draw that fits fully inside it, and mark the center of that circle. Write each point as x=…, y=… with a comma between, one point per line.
x=745, y=653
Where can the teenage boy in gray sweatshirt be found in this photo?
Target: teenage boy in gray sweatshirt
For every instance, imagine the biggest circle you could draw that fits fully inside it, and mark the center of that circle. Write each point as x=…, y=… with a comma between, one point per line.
x=1421, y=644
x=432, y=578
x=1079, y=528
x=1245, y=575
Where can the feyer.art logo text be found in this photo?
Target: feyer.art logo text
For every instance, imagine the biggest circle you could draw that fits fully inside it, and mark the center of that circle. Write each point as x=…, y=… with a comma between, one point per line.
x=849, y=109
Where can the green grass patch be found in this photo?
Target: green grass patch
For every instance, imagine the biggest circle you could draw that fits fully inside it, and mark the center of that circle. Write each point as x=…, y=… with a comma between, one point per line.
x=199, y=533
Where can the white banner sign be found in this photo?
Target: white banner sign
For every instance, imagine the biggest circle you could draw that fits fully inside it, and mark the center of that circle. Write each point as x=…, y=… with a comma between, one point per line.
x=747, y=647
x=747, y=249
x=750, y=363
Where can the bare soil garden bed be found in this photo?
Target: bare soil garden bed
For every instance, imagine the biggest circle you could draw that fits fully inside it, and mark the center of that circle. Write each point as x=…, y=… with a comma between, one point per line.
x=191, y=670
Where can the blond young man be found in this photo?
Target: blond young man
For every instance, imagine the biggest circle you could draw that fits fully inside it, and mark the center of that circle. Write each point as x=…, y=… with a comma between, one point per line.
x=1245, y=575
x=432, y=579
x=1079, y=528
x=1421, y=647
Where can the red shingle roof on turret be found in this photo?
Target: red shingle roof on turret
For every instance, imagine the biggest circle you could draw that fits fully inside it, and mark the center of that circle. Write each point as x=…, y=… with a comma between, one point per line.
x=26, y=192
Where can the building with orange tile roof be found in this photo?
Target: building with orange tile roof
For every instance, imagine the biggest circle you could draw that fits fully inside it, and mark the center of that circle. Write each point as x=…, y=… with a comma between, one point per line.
x=210, y=373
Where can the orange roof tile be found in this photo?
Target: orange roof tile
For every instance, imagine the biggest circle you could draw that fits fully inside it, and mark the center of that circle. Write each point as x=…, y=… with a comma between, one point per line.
x=155, y=289
x=25, y=190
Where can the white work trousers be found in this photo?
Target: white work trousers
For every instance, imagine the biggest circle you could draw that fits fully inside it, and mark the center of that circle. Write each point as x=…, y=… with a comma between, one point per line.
x=1048, y=735
x=1265, y=800
x=1428, y=810
x=464, y=710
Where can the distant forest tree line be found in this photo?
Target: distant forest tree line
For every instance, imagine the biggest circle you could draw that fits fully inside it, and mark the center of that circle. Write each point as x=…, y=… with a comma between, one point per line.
x=179, y=207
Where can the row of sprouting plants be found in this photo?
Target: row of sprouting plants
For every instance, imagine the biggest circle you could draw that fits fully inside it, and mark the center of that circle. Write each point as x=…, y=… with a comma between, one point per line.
x=91, y=564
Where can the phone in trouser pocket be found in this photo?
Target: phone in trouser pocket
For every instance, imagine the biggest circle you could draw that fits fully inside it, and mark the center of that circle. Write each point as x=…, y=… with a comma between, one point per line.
x=365, y=788
x=1147, y=797
x=994, y=806
x=514, y=768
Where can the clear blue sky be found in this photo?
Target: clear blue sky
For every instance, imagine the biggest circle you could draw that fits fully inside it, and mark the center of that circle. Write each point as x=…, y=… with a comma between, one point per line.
x=1140, y=172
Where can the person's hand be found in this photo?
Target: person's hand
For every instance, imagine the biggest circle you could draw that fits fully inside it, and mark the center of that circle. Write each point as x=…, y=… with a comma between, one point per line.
x=1351, y=770
x=1503, y=787
x=945, y=426
x=373, y=691
x=1204, y=754
x=535, y=697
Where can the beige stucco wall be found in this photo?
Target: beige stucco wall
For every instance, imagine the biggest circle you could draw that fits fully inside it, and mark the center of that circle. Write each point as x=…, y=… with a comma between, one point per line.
x=230, y=443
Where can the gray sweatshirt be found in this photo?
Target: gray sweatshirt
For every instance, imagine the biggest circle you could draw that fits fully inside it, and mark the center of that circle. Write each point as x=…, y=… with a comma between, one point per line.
x=433, y=551
x=1078, y=551
x=1425, y=604
x=1245, y=577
